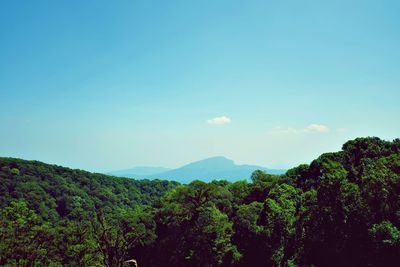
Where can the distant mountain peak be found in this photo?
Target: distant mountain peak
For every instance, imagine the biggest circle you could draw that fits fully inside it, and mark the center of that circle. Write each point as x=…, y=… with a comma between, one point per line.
x=212, y=162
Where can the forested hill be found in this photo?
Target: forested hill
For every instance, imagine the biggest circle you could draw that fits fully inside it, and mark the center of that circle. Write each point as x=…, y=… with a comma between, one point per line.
x=343, y=209
x=54, y=191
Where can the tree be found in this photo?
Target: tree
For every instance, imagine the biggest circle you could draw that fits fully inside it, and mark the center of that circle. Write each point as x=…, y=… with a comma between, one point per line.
x=121, y=231
x=278, y=219
x=22, y=235
x=262, y=182
x=249, y=236
x=386, y=243
x=192, y=228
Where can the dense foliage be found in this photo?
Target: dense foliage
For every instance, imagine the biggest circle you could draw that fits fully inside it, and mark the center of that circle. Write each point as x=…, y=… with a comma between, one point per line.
x=341, y=210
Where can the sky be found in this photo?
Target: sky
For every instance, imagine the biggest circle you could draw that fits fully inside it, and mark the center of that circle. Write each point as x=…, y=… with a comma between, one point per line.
x=107, y=85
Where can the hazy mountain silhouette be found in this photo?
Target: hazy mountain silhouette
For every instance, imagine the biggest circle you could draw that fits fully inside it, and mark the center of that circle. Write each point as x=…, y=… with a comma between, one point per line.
x=205, y=170
x=139, y=171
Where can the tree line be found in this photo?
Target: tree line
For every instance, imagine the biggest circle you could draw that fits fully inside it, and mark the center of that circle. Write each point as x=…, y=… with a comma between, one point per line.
x=343, y=209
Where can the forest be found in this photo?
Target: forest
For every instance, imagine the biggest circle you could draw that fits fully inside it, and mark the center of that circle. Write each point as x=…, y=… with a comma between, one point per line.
x=343, y=209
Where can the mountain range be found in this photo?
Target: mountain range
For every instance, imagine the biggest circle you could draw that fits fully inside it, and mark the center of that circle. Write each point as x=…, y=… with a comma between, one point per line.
x=206, y=170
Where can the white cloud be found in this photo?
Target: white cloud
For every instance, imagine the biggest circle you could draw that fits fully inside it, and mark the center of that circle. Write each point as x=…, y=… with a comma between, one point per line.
x=312, y=128
x=219, y=120
x=319, y=128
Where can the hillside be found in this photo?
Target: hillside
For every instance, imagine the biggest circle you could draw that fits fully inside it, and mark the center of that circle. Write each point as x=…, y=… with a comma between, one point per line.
x=52, y=190
x=343, y=209
x=205, y=170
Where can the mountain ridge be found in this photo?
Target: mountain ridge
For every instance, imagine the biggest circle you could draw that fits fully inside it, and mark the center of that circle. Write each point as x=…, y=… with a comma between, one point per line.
x=139, y=170
x=217, y=167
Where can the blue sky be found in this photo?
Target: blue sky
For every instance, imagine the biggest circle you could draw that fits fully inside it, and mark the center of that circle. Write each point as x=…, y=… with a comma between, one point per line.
x=105, y=85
